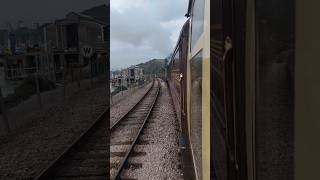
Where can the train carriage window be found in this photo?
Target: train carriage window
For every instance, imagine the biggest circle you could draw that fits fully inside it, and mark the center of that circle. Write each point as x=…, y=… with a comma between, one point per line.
x=274, y=89
x=176, y=72
x=197, y=21
x=218, y=132
x=196, y=109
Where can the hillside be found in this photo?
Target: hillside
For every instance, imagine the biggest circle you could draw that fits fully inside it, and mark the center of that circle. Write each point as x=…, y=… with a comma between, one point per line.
x=99, y=12
x=153, y=66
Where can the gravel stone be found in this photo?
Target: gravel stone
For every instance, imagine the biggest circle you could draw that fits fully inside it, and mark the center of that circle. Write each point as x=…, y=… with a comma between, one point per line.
x=25, y=152
x=162, y=159
x=118, y=109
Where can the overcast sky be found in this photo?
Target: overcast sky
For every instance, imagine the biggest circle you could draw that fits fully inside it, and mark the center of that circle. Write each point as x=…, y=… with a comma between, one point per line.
x=41, y=11
x=140, y=29
x=144, y=29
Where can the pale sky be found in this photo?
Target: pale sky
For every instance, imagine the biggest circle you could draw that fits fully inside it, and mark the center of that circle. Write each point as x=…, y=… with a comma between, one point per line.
x=141, y=30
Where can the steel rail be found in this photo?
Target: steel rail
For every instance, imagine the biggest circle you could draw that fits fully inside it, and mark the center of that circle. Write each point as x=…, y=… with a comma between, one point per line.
x=125, y=159
x=49, y=169
x=132, y=108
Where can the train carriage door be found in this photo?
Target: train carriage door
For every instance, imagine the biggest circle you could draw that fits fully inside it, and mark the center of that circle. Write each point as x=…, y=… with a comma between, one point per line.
x=228, y=149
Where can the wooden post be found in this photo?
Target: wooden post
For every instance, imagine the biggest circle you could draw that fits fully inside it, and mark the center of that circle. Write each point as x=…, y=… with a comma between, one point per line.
x=63, y=76
x=121, y=87
x=91, y=76
x=37, y=82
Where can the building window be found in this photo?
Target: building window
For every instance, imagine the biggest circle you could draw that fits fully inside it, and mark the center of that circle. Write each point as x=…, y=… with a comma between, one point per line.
x=72, y=35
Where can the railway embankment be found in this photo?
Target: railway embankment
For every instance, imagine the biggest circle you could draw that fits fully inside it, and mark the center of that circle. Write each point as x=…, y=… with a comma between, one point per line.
x=25, y=152
x=121, y=103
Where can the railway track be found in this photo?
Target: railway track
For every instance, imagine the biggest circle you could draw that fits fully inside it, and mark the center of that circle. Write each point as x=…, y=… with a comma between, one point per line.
x=126, y=131
x=85, y=158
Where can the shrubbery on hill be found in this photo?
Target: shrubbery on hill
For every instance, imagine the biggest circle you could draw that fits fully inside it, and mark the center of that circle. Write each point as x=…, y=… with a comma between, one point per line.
x=118, y=89
x=154, y=66
x=26, y=89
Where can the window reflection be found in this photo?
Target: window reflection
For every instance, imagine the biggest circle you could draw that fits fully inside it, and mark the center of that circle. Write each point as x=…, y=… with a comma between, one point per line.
x=197, y=21
x=196, y=109
x=274, y=89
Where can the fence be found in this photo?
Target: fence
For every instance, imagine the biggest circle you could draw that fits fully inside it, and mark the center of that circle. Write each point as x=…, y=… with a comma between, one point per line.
x=115, y=98
x=37, y=93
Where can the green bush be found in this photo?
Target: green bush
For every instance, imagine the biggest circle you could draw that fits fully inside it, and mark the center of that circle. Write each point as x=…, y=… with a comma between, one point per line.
x=118, y=89
x=26, y=89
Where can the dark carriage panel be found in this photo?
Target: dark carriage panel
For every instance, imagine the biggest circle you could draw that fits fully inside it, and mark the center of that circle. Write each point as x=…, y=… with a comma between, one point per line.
x=174, y=83
x=219, y=163
x=228, y=149
x=178, y=77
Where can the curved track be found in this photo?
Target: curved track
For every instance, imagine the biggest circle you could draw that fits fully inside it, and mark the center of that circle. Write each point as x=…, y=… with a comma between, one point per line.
x=85, y=157
x=127, y=130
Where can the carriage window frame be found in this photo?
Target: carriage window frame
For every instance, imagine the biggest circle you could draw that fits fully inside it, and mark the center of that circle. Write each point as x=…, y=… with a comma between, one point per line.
x=196, y=71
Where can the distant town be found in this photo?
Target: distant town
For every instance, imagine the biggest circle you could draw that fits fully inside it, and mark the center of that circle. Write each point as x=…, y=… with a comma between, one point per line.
x=67, y=49
x=135, y=74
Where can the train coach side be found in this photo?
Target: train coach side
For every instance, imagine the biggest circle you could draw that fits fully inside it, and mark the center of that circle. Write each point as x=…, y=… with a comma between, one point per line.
x=177, y=77
x=177, y=81
x=189, y=82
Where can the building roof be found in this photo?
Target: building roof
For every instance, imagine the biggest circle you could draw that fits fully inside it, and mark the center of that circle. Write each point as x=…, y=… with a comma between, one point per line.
x=45, y=25
x=82, y=16
x=86, y=17
x=101, y=13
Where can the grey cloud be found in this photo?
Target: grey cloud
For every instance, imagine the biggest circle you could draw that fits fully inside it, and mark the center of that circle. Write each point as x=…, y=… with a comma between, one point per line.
x=131, y=55
x=167, y=10
x=139, y=31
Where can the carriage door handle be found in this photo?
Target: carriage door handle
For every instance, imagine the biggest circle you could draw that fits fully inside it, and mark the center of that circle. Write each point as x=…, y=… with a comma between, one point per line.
x=227, y=47
x=180, y=76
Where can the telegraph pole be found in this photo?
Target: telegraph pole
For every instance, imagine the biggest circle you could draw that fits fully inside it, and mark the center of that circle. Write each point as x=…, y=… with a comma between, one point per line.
x=37, y=81
x=91, y=75
x=121, y=86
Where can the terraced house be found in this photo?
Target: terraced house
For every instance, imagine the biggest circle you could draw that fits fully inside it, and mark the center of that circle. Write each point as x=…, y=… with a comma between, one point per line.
x=76, y=43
